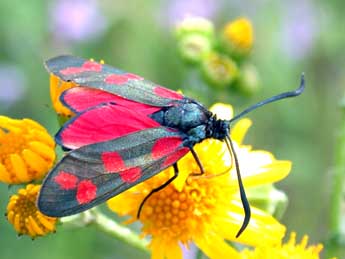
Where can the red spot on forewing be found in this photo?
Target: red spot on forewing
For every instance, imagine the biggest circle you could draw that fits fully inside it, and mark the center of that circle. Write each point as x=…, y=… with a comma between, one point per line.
x=131, y=175
x=112, y=161
x=167, y=93
x=67, y=181
x=165, y=146
x=171, y=159
x=92, y=66
x=134, y=77
x=86, y=191
x=120, y=79
x=88, y=66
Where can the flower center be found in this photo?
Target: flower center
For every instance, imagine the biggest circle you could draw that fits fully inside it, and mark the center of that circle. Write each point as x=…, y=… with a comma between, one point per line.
x=179, y=214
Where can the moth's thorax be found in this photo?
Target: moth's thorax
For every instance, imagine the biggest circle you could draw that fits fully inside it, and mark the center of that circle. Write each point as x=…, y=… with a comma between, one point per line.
x=193, y=119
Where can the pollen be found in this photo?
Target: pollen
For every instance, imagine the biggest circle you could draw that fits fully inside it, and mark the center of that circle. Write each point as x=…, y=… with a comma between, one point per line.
x=23, y=214
x=27, y=151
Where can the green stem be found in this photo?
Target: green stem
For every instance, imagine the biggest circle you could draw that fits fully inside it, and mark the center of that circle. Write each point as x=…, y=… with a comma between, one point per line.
x=122, y=233
x=337, y=232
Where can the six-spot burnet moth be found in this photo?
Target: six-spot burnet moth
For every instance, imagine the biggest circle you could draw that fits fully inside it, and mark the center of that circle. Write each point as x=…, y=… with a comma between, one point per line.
x=126, y=130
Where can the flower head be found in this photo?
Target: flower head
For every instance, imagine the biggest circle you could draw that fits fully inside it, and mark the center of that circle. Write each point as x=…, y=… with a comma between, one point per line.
x=23, y=214
x=26, y=150
x=238, y=36
x=205, y=209
x=284, y=251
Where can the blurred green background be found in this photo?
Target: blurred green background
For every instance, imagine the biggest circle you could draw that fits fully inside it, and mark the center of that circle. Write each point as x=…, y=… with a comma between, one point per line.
x=137, y=36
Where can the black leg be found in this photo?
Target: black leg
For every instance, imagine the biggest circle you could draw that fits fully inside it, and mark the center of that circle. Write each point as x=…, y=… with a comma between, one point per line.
x=197, y=160
x=158, y=189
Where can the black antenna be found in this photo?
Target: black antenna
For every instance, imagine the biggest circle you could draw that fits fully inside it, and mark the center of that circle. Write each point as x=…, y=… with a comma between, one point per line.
x=297, y=92
x=244, y=200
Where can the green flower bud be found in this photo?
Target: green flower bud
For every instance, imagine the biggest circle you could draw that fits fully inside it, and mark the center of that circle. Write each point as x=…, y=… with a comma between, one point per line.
x=269, y=199
x=193, y=47
x=195, y=25
x=219, y=70
x=248, y=81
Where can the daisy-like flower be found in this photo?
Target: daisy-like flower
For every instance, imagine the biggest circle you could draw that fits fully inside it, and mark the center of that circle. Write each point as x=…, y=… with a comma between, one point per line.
x=285, y=251
x=238, y=35
x=27, y=151
x=206, y=209
x=23, y=214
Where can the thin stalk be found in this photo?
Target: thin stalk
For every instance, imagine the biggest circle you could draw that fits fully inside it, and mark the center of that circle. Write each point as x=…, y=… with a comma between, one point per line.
x=337, y=232
x=124, y=234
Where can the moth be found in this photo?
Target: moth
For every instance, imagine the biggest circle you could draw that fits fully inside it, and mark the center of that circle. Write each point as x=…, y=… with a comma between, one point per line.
x=126, y=130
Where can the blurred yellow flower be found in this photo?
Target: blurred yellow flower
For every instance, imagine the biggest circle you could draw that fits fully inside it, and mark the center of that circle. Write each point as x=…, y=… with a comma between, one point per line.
x=206, y=209
x=23, y=214
x=27, y=151
x=285, y=251
x=57, y=87
x=238, y=35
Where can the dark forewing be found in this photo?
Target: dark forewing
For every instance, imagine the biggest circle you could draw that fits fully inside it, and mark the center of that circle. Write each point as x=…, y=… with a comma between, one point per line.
x=92, y=174
x=92, y=74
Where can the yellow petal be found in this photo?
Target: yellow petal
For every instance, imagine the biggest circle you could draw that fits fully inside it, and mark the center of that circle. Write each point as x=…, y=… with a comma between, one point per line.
x=215, y=247
x=19, y=168
x=43, y=150
x=44, y=137
x=29, y=228
x=240, y=129
x=46, y=222
x=10, y=216
x=34, y=125
x=38, y=230
x=165, y=249
x=4, y=174
x=262, y=228
x=36, y=162
x=16, y=223
x=270, y=173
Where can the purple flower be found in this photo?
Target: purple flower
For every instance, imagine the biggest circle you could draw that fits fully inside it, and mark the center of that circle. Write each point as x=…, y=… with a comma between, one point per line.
x=77, y=20
x=12, y=85
x=299, y=29
x=177, y=10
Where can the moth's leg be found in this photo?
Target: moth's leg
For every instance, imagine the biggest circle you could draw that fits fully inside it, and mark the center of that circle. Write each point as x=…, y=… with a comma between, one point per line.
x=158, y=189
x=197, y=160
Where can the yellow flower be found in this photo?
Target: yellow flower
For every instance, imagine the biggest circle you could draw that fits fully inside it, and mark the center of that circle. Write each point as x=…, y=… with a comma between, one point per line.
x=238, y=35
x=23, y=214
x=27, y=151
x=57, y=87
x=285, y=251
x=206, y=209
